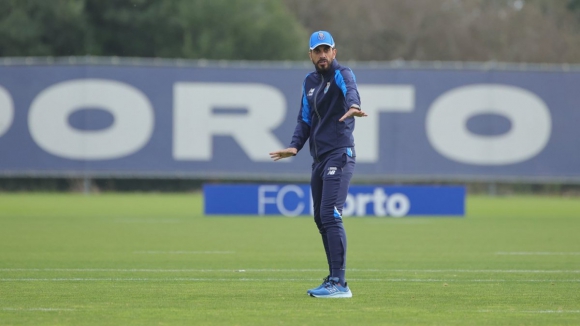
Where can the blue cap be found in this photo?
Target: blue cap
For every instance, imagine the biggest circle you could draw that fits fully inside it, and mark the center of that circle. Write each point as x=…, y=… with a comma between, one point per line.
x=321, y=38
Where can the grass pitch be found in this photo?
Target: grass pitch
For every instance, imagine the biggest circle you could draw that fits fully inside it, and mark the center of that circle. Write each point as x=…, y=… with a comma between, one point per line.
x=151, y=259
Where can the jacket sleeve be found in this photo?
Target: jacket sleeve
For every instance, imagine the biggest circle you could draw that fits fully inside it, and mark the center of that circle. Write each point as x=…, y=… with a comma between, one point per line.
x=346, y=80
x=302, y=131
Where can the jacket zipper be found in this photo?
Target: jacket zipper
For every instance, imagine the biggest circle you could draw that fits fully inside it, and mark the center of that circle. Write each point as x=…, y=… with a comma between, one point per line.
x=318, y=115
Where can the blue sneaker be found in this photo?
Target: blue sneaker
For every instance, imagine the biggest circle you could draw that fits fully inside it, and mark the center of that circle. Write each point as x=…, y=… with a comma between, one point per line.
x=324, y=281
x=332, y=289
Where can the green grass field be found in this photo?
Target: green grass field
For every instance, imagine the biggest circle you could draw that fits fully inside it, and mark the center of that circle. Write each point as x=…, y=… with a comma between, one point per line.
x=153, y=259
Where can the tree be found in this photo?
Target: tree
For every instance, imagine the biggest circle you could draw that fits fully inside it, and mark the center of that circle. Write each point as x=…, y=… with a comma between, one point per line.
x=447, y=30
x=39, y=28
x=211, y=29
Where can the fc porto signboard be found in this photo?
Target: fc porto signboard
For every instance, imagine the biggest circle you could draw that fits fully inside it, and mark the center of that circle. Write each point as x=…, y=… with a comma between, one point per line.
x=218, y=121
x=294, y=200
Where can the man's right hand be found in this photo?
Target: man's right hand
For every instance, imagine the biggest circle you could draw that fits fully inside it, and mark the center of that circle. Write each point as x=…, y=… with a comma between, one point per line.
x=284, y=153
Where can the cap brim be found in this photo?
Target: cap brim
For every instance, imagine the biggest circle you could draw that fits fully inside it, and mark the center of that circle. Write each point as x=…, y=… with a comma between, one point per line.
x=319, y=44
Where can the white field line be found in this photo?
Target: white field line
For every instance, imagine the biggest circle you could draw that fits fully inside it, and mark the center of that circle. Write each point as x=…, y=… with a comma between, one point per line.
x=191, y=279
x=185, y=252
x=532, y=271
x=539, y=253
x=37, y=309
x=483, y=311
x=552, y=311
x=533, y=311
x=274, y=270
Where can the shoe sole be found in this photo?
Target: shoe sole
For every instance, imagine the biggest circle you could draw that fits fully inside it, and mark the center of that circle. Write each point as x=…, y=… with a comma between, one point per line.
x=337, y=295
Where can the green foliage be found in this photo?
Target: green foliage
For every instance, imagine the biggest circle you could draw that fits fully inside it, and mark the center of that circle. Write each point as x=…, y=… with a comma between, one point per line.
x=211, y=29
x=41, y=27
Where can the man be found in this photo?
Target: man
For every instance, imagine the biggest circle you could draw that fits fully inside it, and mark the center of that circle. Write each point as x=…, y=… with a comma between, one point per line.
x=330, y=101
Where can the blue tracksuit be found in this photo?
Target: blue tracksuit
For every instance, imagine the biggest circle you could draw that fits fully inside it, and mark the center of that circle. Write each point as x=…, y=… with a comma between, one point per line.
x=326, y=97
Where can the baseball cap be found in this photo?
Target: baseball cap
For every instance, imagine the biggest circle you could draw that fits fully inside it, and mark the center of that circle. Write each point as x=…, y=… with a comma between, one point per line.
x=321, y=38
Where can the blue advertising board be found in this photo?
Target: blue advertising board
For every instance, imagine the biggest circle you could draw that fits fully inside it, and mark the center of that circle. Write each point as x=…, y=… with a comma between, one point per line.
x=213, y=122
x=295, y=199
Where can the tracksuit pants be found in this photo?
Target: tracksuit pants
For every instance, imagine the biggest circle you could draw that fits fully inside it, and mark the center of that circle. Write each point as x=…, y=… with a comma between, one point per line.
x=329, y=184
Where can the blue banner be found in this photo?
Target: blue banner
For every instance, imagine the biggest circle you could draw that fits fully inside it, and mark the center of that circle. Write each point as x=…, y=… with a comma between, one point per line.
x=294, y=200
x=215, y=122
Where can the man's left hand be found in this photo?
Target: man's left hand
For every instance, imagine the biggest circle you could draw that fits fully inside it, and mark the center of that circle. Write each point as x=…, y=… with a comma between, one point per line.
x=353, y=112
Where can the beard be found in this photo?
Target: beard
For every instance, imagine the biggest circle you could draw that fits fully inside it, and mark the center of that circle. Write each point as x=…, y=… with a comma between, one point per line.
x=322, y=65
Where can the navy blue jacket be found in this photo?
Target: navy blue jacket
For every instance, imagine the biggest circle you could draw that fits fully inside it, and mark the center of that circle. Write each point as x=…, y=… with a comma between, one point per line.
x=326, y=98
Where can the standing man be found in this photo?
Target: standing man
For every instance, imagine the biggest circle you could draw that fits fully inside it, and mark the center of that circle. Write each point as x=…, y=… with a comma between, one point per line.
x=330, y=101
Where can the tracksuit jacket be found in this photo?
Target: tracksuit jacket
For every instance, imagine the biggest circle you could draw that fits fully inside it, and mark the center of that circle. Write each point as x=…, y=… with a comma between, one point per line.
x=326, y=97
